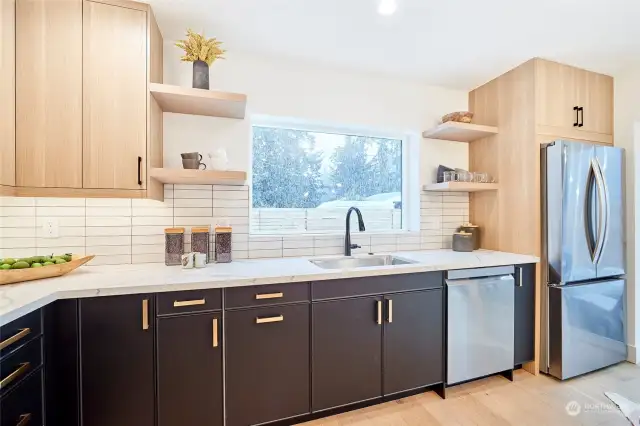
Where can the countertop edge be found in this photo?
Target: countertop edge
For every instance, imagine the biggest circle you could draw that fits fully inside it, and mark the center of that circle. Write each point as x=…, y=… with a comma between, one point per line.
x=54, y=289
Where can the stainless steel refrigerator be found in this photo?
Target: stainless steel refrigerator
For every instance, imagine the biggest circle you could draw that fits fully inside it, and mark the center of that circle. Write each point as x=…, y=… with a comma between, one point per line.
x=584, y=323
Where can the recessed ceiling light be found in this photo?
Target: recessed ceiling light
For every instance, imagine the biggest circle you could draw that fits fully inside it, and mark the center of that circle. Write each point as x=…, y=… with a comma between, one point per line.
x=387, y=7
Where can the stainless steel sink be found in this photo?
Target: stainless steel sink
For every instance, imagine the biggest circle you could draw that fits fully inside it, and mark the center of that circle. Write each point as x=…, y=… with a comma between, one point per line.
x=359, y=262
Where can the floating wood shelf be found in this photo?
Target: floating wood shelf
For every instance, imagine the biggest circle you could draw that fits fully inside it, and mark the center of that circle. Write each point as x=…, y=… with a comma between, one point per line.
x=185, y=100
x=459, y=132
x=460, y=187
x=199, y=177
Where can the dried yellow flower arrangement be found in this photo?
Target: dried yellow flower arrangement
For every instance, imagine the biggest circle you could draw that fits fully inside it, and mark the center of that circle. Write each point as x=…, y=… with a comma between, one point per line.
x=198, y=48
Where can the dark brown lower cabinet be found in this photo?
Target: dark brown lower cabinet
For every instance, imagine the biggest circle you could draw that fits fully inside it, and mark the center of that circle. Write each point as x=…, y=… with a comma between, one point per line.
x=190, y=370
x=347, y=351
x=117, y=359
x=23, y=405
x=413, y=342
x=525, y=308
x=267, y=364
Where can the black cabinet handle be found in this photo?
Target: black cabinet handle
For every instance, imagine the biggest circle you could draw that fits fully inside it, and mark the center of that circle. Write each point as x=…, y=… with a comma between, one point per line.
x=139, y=170
x=576, y=109
x=581, y=110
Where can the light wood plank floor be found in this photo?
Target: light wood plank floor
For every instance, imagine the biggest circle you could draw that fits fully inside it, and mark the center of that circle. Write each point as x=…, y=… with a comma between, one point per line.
x=529, y=400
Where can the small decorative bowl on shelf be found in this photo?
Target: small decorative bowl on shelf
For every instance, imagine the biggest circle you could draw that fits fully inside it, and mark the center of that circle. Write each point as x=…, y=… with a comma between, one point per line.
x=459, y=117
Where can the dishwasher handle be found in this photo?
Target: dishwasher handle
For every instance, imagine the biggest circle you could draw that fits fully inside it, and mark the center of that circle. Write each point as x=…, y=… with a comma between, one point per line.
x=462, y=274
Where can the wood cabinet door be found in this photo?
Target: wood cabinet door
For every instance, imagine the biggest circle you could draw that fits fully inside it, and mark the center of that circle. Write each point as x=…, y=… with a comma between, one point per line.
x=346, y=364
x=267, y=364
x=114, y=94
x=413, y=341
x=117, y=357
x=49, y=93
x=7, y=93
x=525, y=305
x=595, y=92
x=556, y=94
x=190, y=370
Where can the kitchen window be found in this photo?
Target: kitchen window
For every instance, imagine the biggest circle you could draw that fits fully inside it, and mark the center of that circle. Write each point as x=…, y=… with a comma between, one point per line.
x=305, y=178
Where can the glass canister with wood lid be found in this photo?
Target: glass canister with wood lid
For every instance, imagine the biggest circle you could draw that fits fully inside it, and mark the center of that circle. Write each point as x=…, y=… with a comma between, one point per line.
x=223, y=244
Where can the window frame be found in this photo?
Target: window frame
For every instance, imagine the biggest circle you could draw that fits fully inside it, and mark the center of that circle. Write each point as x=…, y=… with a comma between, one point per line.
x=409, y=146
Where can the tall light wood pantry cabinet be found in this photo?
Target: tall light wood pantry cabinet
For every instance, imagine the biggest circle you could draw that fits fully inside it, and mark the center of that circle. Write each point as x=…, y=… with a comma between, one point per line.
x=7, y=96
x=85, y=124
x=537, y=102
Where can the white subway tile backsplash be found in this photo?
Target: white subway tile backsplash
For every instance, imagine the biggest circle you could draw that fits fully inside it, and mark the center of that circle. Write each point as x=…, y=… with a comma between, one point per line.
x=60, y=202
x=152, y=212
x=109, y=250
x=18, y=222
x=147, y=258
x=6, y=243
x=108, y=221
x=191, y=193
x=111, y=260
x=148, y=239
x=108, y=211
x=126, y=231
x=17, y=211
x=17, y=202
x=61, y=242
x=166, y=221
x=192, y=211
x=109, y=241
x=17, y=232
x=230, y=195
x=194, y=202
x=16, y=252
x=108, y=202
x=95, y=231
x=57, y=250
x=230, y=212
x=147, y=249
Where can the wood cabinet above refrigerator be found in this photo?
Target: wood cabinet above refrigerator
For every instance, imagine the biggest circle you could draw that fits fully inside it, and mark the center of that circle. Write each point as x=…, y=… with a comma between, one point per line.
x=573, y=103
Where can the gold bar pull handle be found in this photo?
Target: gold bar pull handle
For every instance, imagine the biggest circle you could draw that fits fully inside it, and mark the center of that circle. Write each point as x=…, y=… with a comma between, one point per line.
x=265, y=320
x=145, y=314
x=182, y=303
x=269, y=296
x=389, y=311
x=24, y=419
x=215, y=332
x=24, y=367
x=11, y=340
x=379, y=319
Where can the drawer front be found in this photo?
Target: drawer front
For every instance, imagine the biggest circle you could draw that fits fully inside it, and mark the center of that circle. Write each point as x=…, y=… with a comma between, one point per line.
x=19, y=332
x=262, y=295
x=19, y=364
x=23, y=406
x=178, y=302
x=366, y=286
x=267, y=364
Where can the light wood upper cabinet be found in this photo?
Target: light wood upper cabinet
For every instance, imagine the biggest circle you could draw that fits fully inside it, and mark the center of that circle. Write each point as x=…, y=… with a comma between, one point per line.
x=557, y=94
x=595, y=94
x=7, y=93
x=573, y=103
x=115, y=97
x=49, y=87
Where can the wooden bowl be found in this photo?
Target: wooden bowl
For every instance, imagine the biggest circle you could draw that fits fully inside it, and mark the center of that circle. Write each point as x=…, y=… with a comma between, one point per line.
x=459, y=117
x=12, y=276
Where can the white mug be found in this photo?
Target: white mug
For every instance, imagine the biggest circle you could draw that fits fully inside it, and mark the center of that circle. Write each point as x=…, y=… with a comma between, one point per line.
x=200, y=260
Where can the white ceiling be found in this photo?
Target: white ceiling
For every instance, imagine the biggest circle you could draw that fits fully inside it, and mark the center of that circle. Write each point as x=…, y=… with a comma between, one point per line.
x=453, y=43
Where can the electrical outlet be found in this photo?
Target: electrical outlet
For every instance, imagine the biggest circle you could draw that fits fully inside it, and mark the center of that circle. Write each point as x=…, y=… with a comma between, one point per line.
x=50, y=228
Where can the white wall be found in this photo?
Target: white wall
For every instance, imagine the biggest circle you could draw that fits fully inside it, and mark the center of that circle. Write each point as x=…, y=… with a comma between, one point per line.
x=308, y=92
x=627, y=136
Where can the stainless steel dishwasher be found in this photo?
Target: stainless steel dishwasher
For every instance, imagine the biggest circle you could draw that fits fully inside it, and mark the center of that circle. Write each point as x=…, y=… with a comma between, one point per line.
x=480, y=322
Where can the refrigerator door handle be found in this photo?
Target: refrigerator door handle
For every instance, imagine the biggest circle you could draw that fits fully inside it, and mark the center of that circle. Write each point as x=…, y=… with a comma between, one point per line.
x=602, y=209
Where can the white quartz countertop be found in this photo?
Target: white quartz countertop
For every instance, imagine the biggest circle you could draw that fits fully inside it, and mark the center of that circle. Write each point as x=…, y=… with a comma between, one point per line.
x=17, y=300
